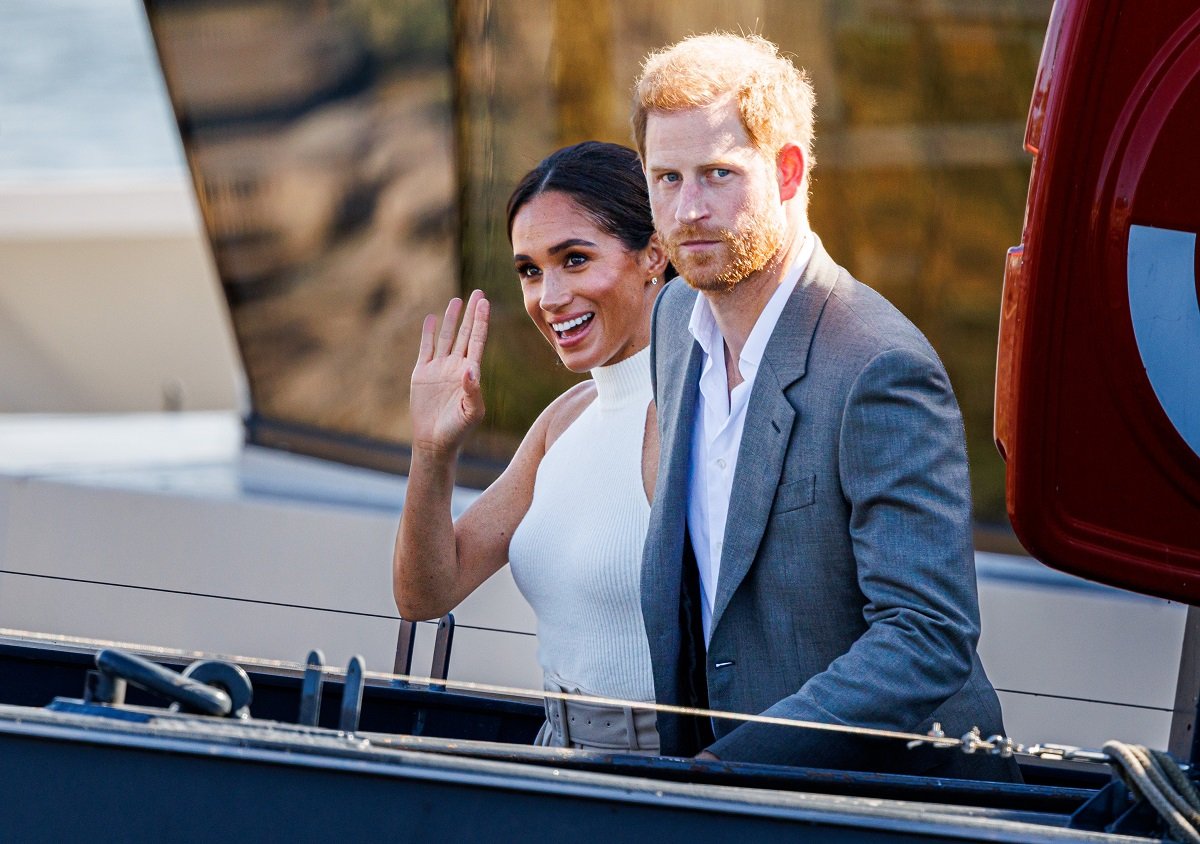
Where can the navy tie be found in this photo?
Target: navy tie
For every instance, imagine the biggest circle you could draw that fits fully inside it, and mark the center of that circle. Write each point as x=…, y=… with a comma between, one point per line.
x=695, y=732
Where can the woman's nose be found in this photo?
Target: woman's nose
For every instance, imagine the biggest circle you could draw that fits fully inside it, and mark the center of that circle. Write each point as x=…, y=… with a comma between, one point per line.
x=555, y=293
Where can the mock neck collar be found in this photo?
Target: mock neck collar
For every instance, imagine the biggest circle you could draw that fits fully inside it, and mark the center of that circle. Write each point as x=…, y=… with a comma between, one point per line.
x=621, y=382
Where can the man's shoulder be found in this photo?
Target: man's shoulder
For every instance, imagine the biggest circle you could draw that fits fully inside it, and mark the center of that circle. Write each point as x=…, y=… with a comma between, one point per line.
x=858, y=317
x=676, y=300
x=673, y=312
x=838, y=324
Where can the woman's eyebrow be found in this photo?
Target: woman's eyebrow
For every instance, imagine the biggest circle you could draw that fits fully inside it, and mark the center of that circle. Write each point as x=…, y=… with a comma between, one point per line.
x=567, y=244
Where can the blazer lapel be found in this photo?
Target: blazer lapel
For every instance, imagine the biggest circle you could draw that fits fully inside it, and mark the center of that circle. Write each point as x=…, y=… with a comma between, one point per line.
x=770, y=417
x=677, y=365
x=662, y=565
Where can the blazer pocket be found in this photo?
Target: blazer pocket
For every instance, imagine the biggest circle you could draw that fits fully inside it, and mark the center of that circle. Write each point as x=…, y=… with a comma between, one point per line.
x=795, y=494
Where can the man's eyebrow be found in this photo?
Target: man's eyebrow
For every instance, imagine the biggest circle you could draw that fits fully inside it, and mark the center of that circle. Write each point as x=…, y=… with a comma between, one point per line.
x=719, y=161
x=567, y=244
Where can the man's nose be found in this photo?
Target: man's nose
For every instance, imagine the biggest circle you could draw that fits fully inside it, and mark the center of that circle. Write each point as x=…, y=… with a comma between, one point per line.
x=691, y=205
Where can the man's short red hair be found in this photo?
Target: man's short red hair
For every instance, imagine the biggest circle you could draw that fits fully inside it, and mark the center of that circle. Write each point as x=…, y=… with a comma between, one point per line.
x=775, y=98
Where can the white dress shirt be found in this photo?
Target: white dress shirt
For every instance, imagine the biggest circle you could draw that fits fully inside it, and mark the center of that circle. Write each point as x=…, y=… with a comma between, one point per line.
x=718, y=424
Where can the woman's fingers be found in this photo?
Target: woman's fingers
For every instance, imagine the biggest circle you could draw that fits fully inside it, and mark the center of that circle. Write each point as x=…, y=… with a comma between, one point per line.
x=425, y=352
x=468, y=323
x=479, y=332
x=472, y=400
x=449, y=322
x=456, y=342
x=449, y=353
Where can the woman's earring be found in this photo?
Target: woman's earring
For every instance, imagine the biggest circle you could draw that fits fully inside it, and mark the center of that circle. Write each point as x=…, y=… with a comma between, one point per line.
x=654, y=280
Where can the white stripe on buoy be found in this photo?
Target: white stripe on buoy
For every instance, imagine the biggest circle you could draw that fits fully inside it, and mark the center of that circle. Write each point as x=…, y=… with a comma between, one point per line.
x=1166, y=321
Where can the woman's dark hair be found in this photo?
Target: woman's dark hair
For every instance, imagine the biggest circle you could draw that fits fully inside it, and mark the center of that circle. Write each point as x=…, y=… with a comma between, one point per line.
x=605, y=180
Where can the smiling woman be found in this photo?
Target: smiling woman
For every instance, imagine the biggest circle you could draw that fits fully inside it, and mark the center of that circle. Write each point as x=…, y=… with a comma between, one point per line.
x=570, y=512
x=575, y=283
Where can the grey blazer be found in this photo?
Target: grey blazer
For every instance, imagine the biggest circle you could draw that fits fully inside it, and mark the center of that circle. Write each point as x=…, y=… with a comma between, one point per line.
x=847, y=588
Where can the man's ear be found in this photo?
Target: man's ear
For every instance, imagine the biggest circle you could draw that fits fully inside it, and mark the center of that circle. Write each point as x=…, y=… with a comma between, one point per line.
x=790, y=169
x=654, y=258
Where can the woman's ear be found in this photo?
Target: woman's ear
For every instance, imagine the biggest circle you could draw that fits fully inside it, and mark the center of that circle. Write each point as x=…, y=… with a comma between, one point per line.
x=654, y=259
x=790, y=168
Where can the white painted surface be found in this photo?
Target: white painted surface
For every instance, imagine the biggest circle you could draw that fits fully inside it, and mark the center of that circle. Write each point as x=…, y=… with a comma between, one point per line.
x=252, y=553
x=98, y=206
x=109, y=302
x=45, y=445
x=1075, y=662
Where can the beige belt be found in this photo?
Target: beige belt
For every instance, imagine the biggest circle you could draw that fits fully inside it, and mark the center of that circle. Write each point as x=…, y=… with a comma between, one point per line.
x=572, y=723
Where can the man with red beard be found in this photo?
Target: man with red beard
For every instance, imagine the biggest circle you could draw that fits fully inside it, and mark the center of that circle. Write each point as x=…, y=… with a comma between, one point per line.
x=809, y=553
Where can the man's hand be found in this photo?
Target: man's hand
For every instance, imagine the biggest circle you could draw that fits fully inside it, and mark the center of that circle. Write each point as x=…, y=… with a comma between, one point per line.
x=708, y=757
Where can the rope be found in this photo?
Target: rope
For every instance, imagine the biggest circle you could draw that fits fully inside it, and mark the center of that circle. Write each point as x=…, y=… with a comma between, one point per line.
x=1156, y=777
x=971, y=740
x=1178, y=778
x=462, y=685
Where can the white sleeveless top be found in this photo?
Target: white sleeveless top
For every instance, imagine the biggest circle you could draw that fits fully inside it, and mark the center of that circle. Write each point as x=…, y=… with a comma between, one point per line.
x=577, y=554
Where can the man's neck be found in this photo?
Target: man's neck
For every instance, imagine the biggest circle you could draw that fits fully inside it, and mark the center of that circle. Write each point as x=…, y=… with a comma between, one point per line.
x=737, y=310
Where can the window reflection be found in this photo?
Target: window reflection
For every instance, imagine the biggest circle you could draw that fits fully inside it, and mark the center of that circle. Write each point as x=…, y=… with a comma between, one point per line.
x=354, y=158
x=921, y=179
x=320, y=136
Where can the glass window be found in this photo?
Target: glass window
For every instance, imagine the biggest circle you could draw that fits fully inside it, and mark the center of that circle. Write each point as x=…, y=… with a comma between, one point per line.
x=354, y=159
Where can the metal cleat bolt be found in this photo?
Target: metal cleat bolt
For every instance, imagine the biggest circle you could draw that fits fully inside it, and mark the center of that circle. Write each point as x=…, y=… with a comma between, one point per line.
x=973, y=741
x=935, y=732
x=1001, y=746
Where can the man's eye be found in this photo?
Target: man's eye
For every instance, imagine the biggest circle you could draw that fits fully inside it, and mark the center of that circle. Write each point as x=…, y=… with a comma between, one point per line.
x=671, y=178
x=720, y=172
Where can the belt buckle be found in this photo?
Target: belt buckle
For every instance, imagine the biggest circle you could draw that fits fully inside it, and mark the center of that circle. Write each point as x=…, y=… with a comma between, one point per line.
x=631, y=733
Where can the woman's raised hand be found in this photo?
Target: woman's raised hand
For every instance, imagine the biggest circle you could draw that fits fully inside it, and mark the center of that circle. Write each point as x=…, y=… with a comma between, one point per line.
x=446, y=401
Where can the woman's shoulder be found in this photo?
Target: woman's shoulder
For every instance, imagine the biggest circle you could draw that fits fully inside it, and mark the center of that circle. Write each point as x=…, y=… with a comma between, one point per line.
x=565, y=409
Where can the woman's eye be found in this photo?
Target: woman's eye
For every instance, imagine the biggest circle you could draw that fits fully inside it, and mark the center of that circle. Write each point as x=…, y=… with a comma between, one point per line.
x=575, y=260
x=528, y=271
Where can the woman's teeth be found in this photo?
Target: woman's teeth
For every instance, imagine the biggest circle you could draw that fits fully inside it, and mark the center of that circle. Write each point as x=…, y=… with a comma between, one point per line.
x=561, y=328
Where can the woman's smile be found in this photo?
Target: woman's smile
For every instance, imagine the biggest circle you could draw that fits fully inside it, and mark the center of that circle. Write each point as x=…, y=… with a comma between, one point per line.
x=572, y=329
x=588, y=294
